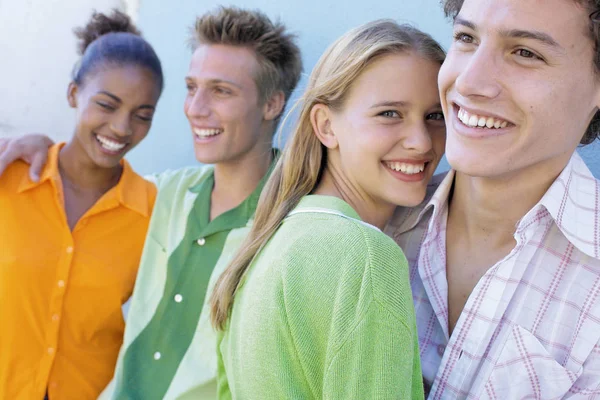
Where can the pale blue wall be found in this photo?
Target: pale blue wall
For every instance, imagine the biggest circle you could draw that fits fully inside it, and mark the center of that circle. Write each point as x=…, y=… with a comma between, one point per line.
x=317, y=22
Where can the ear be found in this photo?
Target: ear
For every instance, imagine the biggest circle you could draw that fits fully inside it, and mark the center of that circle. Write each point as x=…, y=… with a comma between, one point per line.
x=274, y=106
x=72, y=94
x=320, y=118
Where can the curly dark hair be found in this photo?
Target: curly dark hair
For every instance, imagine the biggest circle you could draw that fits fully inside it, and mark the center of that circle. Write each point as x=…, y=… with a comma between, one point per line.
x=452, y=8
x=113, y=39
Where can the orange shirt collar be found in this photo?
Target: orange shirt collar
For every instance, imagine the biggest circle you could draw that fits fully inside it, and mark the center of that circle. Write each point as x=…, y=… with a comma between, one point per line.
x=131, y=191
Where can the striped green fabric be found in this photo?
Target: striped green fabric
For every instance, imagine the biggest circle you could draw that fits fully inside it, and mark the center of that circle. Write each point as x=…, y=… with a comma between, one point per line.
x=169, y=348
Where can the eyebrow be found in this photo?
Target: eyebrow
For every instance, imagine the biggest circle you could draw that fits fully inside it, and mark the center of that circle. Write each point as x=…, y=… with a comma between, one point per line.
x=112, y=96
x=217, y=81
x=118, y=100
x=390, y=103
x=516, y=33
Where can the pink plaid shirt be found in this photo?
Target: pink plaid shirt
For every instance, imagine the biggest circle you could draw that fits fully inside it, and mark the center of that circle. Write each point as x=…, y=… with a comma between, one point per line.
x=531, y=327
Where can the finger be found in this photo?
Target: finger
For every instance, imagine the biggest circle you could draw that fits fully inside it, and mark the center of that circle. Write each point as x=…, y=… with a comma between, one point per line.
x=37, y=164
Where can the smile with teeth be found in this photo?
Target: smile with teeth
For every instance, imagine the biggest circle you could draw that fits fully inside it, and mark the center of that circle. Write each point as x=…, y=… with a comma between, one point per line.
x=405, y=168
x=204, y=133
x=477, y=121
x=110, y=144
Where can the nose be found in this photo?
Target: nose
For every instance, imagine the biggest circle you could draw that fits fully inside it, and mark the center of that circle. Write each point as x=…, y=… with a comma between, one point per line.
x=419, y=139
x=121, y=125
x=479, y=74
x=197, y=105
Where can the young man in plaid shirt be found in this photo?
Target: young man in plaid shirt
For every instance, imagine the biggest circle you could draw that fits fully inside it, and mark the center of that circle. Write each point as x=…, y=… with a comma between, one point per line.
x=505, y=252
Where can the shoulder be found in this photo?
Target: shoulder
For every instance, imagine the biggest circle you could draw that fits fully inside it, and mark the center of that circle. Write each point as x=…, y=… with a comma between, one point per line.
x=338, y=235
x=183, y=177
x=330, y=262
x=142, y=185
x=14, y=175
x=319, y=245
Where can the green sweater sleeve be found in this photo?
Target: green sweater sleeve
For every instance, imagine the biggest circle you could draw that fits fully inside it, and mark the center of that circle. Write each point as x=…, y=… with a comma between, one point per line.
x=378, y=360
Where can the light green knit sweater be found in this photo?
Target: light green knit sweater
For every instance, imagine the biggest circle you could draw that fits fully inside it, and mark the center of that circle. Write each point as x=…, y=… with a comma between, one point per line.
x=325, y=312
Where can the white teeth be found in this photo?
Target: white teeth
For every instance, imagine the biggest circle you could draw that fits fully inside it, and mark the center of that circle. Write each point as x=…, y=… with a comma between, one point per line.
x=481, y=122
x=109, y=144
x=204, y=133
x=409, y=169
x=473, y=120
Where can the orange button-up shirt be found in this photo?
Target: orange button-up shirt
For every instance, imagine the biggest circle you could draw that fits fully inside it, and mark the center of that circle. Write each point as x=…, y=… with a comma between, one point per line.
x=61, y=292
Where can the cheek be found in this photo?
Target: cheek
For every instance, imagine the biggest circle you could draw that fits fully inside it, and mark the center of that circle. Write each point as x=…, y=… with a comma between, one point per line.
x=547, y=118
x=186, y=105
x=447, y=75
x=140, y=131
x=88, y=117
x=362, y=132
x=438, y=141
x=230, y=112
x=367, y=146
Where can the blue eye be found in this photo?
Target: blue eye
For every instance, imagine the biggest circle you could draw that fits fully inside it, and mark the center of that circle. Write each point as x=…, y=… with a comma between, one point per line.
x=389, y=114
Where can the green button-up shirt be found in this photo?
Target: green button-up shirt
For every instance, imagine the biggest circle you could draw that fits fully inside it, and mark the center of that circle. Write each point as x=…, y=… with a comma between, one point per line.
x=169, y=347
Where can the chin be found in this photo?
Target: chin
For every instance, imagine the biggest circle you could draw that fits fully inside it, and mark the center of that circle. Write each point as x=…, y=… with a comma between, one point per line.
x=479, y=167
x=204, y=158
x=409, y=199
x=472, y=161
x=108, y=163
x=105, y=161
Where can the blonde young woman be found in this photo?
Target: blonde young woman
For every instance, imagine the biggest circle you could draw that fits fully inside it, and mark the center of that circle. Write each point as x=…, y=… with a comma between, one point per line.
x=317, y=303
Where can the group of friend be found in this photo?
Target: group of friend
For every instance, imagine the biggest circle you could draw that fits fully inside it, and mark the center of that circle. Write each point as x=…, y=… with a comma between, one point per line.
x=339, y=267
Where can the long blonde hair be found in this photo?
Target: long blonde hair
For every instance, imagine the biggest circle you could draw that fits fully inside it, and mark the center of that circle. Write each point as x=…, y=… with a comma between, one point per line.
x=300, y=167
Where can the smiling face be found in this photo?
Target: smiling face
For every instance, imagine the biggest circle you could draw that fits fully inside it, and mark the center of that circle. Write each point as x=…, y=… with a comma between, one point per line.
x=518, y=87
x=222, y=105
x=390, y=131
x=115, y=106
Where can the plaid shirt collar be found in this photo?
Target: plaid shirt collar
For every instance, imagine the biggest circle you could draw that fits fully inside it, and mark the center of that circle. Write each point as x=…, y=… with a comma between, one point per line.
x=572, y=201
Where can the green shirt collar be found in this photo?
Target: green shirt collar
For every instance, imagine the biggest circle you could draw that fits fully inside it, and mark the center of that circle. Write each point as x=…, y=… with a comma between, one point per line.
x=234, y=218
x=327, y=202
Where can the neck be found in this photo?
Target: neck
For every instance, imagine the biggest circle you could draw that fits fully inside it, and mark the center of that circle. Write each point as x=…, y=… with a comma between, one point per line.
x=333, y=184
x=490, y=209
x=79, y=170
x=236, y=180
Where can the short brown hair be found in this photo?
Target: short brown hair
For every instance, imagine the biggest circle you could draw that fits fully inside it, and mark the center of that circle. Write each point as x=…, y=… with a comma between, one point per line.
x=452, y=8
x=276, y=51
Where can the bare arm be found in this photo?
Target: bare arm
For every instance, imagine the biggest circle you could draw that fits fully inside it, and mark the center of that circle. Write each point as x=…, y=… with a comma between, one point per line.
x=31, y=148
